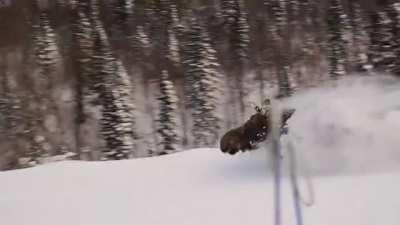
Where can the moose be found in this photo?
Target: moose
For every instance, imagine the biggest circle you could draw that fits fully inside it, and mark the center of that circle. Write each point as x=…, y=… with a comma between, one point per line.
x=253, y=131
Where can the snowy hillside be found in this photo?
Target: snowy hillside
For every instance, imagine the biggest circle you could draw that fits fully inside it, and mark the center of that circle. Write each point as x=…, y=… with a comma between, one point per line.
x=198, y=187
x=345, y=134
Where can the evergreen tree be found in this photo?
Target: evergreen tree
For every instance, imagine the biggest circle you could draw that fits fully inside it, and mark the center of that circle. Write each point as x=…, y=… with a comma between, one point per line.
x=143, y=51
x=279, y=13
x=358, y=51
x=394, y=12
x=167, y=117
x=113, y=87
x=124, y=22
x=237, y=29
x=173, y=48
x=337, y=25
x=142, y=38
x=240, y=44
x=294, y=9
x=308, y=46
x=280, y=35
x=117, y=122
x=382, y=42
x=230, y=10
x=202, y=84
x=46, y=51
x=61, y=3
x=4, y=113
x=6, y=106
x=123, y=12
x=82, y=36
x=174, y=31
x=11, y=116
x=159, y=27
x=45, y=140
x=260, y=47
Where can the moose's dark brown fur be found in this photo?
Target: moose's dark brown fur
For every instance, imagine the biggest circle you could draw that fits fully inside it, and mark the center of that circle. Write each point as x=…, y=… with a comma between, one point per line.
x=241, y=137
x=254, y=130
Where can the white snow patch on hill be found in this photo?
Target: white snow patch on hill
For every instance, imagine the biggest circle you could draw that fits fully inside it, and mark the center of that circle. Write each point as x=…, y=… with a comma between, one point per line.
x=198, y=187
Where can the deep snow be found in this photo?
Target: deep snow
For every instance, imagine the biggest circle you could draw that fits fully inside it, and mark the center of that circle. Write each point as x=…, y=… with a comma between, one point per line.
x=346, y=135
x=198, y=187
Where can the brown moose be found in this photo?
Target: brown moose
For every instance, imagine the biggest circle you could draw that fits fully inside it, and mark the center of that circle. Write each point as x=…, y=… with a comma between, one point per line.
x=253, y=131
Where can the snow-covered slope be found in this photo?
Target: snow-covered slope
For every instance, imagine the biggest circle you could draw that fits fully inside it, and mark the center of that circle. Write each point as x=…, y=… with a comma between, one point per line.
x=346, y=135
x=198, y=187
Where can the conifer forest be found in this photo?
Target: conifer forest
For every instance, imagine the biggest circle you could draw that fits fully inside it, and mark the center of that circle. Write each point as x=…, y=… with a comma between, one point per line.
x=116, y=79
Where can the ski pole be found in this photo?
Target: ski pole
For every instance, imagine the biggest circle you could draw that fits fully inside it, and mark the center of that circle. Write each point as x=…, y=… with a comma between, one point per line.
x=294, y=184
x=277, y=157
x=277, y=181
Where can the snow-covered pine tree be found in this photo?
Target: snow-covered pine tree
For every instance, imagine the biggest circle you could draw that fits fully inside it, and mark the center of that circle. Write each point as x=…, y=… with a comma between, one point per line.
x=382, y=41
x=117, y=122
x=307, y=46
x=394, y=13
x=279, y=14
x=174, y=30
x=142, y=39
x=113, y=87
x=192, y=57
x=294, y=10
x=46, y=138
x=4, y=113
x=260, y=49
x=202, y=82
x=46, y=44
x=11, y=116
x=142, y=57
x=122, y=29
x=82, y=36
x=237, y=29
x=212, y=80
x=142, y=47
x=4, y=117
x=358, y=52
x=5, y=106
x=167, y=119
x=279, y=30
x=336, y=42
x=61, y=3
x=160, y=23
x=157, y=41
x=123, y=12
x=396, y=6
x=229, y=11
x=240, y=40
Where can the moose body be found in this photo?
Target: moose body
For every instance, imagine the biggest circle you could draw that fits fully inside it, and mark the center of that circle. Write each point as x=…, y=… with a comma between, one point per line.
x=253, y=131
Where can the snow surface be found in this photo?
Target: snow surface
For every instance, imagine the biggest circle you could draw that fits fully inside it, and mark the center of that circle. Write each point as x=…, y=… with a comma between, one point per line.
x=346, y=135
x=198, y=187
